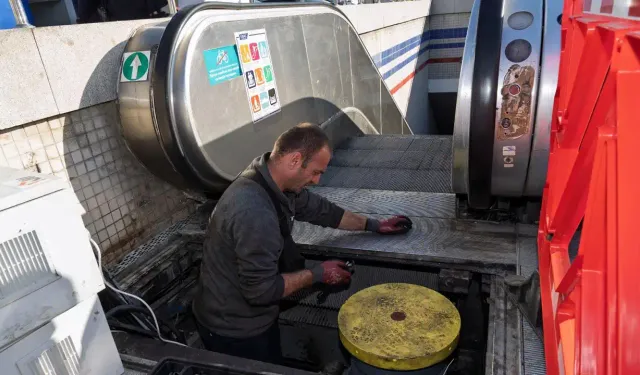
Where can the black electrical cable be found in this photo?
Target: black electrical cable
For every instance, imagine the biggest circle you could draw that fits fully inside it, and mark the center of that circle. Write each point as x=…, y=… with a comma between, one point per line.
x=139, y=309
x=114, y=324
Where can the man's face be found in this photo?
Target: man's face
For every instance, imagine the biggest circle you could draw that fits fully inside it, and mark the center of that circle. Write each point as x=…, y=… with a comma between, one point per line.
x=302, y=176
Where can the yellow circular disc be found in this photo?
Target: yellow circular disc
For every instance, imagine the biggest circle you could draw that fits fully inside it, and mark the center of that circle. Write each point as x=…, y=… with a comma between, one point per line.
x=399, y=326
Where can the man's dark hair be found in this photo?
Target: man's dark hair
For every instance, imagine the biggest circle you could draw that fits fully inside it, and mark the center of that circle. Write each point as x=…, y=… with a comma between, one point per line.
x=305, y=138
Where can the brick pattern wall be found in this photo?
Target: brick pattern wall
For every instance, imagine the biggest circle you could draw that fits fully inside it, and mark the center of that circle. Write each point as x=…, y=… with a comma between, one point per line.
x=124, y=203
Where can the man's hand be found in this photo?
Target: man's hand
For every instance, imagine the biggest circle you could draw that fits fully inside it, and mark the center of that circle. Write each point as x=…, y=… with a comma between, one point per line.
x=332, y=272
x=394, y=225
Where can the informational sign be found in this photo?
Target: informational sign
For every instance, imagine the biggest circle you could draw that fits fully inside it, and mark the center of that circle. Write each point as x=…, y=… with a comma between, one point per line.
x=257, y=70
x=222, y=64
x=508, y=156
x=135, y=66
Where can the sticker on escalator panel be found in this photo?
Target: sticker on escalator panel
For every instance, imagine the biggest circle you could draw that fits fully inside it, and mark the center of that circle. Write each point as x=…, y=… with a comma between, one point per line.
x=509, y=151
x=272, y=97
x=135, y=66
x=222, y=64
x=508, y=161
x=250, y=79
x=514, y=111
x=259, y=76
x=257, y=68
x=255, y=104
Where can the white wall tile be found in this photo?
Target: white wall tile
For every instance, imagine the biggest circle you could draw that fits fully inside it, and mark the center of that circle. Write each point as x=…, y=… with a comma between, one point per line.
x=86, y=149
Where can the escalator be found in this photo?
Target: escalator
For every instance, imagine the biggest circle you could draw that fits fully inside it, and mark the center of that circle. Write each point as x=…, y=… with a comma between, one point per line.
x=458, y=189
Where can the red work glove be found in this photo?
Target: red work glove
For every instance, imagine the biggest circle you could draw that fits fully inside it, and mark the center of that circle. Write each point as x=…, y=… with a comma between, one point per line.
x=331, y=272
x=394, y=225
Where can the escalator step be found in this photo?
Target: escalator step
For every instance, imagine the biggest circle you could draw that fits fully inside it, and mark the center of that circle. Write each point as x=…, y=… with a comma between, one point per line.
x=475, y=244
x=395, y=142
x=435, y=181
x=439, y=160
x=392, y=162
x=409, y=203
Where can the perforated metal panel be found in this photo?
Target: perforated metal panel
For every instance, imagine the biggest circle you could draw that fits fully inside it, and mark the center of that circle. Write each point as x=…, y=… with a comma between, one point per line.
x=23, y=266
x=60, y=359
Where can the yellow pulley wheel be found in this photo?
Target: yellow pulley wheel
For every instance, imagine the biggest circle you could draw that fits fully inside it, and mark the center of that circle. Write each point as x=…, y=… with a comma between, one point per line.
x=399, y=326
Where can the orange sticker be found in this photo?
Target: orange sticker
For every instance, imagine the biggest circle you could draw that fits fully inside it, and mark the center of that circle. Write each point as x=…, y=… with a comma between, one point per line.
x=255, y=103
x=245, y=55
x=259, y=76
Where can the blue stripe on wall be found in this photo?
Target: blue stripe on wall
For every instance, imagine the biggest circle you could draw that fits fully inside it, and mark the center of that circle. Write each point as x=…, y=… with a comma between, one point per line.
x=420, y=52
x=383, y=58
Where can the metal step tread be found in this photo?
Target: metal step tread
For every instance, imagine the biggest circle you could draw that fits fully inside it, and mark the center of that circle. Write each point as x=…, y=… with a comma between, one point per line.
x=392, y=162
x=473, y=244
x=386, y=202
x=395, y=179
x=394, y=142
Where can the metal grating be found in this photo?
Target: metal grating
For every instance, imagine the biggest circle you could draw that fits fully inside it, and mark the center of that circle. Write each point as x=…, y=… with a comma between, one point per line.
x=365, y=277
x=349, y=158
x=309, y=315
x=394, y=143
x=368, y=142
x=413, y=204
x=310, y=310
x=423, y=143
x=436, y=240
x=438, y=156
x=60, y=359
x=435, y=181
x=392, y=162
x=147, y=249
x=533, y=351
x=23, y=264
x=382, y=159
x=527, y=255
x=411, y=160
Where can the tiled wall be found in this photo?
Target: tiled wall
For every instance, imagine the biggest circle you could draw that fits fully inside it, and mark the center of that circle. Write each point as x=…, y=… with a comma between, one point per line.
x=447, y=70
x=124, y=203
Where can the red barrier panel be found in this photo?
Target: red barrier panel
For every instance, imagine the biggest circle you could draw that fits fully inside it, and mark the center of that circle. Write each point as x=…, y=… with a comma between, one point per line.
x=591, y=305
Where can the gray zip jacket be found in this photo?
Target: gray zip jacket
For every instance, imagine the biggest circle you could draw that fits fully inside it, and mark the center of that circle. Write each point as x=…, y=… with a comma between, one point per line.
x=240, y=287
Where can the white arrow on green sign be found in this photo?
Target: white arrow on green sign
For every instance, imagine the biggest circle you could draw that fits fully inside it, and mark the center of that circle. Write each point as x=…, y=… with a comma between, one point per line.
x=135, y=66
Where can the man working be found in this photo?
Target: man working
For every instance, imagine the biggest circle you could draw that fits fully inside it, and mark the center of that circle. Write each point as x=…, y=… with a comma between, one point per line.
x=250, y=261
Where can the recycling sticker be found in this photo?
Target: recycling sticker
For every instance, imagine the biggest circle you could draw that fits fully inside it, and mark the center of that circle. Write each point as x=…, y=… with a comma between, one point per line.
x=135, y=66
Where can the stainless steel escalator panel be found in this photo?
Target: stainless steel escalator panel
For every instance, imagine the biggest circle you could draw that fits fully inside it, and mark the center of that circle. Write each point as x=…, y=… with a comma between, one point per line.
x=138, y=121
x=199, y=135
x=517, y=95
x=462, y=123
x=550, y=62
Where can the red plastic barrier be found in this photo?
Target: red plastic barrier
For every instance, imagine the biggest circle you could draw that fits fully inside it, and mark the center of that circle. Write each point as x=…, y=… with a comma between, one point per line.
x=591, y=306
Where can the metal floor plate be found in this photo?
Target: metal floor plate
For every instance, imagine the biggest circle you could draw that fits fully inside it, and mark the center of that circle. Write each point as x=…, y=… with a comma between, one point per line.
x=431, y=240
x=412, y=204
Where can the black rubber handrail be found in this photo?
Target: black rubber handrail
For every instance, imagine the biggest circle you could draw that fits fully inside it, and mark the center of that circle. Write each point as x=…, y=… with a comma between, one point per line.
x=483, y=103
